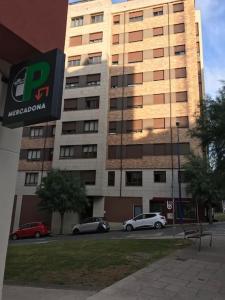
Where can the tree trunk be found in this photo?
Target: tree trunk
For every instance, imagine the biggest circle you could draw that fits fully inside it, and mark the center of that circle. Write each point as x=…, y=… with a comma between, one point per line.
x=210, y=213
x=61, y=223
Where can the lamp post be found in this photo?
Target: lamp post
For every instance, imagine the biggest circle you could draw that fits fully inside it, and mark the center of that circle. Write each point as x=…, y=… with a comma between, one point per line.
x=179, y=173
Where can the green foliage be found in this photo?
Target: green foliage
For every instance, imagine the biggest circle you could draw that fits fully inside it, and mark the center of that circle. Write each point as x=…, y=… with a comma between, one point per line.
x=62, y=192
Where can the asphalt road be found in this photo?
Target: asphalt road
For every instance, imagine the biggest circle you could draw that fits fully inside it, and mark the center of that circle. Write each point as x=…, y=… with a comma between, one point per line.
x=168, y=232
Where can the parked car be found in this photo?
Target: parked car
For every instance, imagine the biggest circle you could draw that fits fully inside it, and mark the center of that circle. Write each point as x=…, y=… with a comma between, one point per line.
x=154, y=220
x=35, y=229
x=91, y=225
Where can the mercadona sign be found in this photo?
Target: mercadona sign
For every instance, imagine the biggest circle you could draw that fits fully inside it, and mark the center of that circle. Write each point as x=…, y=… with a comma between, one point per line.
x=35, y=91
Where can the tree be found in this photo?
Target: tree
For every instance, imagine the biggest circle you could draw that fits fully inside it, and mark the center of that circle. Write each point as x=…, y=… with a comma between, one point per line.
x=62, y=192
x=206, y=174
x=202, y=183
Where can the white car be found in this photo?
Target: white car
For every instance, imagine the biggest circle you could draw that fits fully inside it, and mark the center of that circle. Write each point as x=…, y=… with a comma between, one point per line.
x=154, y=220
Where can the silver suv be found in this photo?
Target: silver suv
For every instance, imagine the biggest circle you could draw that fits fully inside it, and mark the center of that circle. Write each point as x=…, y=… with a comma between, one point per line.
x=93, y=224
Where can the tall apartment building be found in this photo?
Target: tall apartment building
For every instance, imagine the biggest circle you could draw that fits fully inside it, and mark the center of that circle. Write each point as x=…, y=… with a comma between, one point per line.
x=133, y=73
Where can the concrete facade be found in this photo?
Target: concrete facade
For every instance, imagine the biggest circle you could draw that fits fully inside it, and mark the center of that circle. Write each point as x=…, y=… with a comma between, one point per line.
x=101, y=29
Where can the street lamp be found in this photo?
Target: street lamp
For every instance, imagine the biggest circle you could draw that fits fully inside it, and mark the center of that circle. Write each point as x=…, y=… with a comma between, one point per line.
x=179, y=173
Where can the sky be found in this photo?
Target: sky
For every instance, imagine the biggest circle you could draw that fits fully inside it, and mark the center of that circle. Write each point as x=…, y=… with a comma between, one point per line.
x=213, y=23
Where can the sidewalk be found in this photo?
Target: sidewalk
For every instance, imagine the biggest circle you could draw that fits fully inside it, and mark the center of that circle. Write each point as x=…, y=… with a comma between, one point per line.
x=187, y=274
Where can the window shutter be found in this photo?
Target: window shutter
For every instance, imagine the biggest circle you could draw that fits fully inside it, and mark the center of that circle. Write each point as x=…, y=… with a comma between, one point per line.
x=135, y=56
x=133, y=151
x=158, y=52
x=116, y=19
x=179, y=28
x=26, y=131
x=180, y=73
x=178, y=7
x=158, y=75
x=95, y=36
x=71, y=126
x=134, y=125
x=159, y=123
x=136, y=78
x=95, y=54
x=136, y=101
x=136, y=14
x=76, y=57
x=157, y=31
x=93, y=77
x=159, y=98
x=74, y=79
x=180, y=48
x=181, y=97
x=136, y=36
x=70, y=104
x=115, y=39
x=157, y=9
x=115, y=58
x=183, y=122
x=75, y=40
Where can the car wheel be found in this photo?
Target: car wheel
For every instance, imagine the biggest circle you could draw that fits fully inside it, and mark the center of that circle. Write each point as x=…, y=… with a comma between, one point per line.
x=14, y=237
x=158, y=225
x=76, y=231
x=37, y=235
x=101, y=229
x=129, y=228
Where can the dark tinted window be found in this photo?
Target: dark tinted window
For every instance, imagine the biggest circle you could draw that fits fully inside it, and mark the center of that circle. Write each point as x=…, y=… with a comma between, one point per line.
x=147, y=216
x=140, y=217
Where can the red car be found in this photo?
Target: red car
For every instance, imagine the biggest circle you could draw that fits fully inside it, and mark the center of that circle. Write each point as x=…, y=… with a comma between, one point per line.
x=36, y=229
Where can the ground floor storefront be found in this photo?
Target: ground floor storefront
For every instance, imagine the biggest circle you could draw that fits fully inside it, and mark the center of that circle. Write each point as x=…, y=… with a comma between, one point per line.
x=113, y=209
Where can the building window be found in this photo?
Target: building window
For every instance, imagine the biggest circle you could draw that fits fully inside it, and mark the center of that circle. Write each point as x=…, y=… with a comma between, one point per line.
x=179, y=28
x=34, y=154
x=92, y=102
x=93, y=79
x=67, y=152
x=133, y=178
x=36, y=132
x=115, y=59
x=134, y=79
x=158, y=52
x=159, y=123
x=181, y=97
x=183, y=122
x=113, y=127
x=136, y=16
x=89, y=151
x=68, y=127
x=179, y=50
x=70, y=104
x=157, y=31
x=158, y=11
x=158, y=75
x=135, y=36
x=135, y=102
x=116, y=39
x=116, y=19
x=91, y=126
x=74, y=60
x=159, y=176
x=97, y=18
x=159, y=99
x=134, y=126
x=111, y=178
x=178, y=7
x=134, y=57
x=75, y=41
x=114, y=81
x=94, y=58
x=96, y=37
x=72, y=82
x=180, y=73
x=31, y=179
x=77, y=21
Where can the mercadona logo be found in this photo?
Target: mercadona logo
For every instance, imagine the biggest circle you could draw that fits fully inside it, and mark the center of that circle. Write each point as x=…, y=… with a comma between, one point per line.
x=29, y=83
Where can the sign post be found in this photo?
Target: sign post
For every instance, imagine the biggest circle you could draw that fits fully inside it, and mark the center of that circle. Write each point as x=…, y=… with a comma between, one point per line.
x=35, y=91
